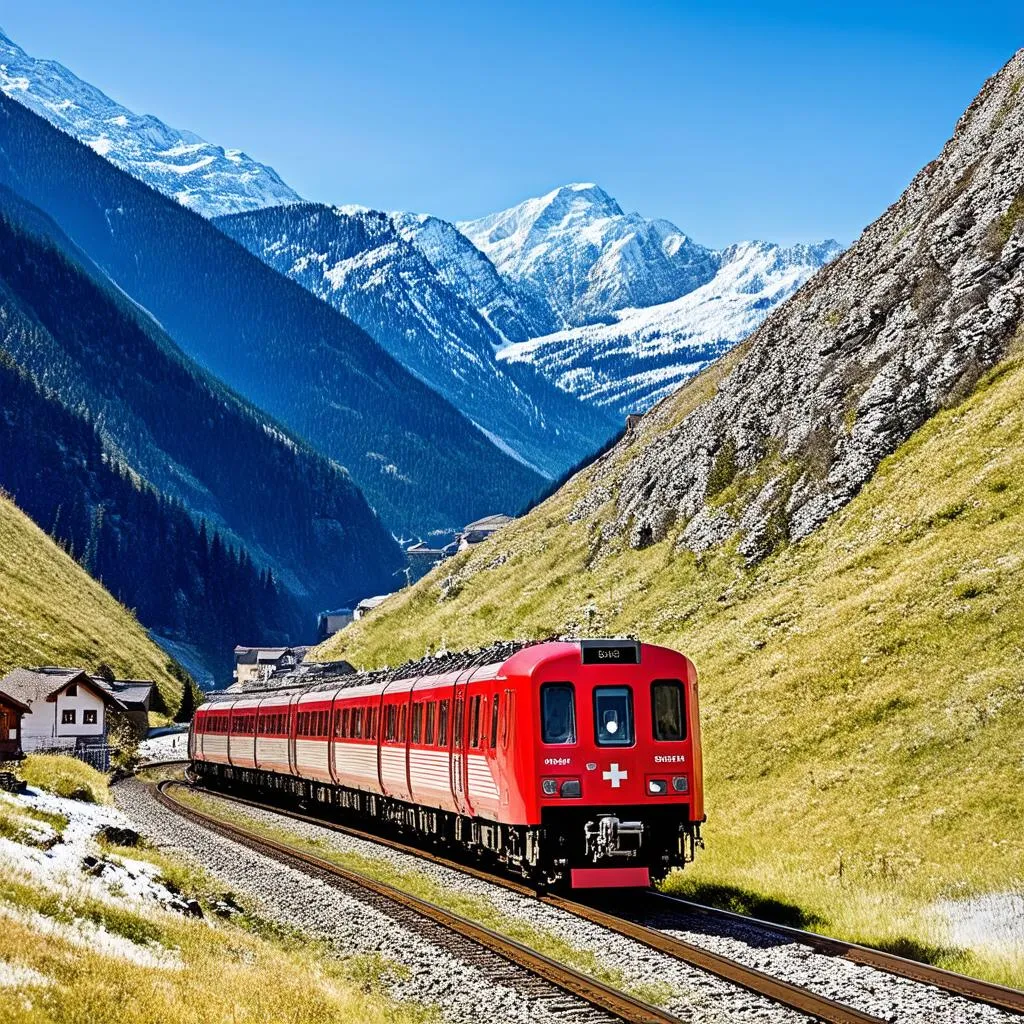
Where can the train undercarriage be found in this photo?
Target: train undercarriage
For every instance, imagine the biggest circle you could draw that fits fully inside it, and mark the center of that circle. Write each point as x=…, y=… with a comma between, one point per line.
x=574, y=846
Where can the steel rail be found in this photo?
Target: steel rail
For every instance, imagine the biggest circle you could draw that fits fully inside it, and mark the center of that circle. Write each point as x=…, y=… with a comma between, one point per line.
x=974, y=989
x=783, y=992
x=590, y=990
x=949, y=981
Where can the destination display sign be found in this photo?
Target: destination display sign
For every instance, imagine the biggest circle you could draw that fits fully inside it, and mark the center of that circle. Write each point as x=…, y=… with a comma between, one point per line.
x=610, y=652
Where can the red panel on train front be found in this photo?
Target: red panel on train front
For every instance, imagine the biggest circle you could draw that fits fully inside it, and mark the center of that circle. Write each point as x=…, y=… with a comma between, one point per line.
x=610, y=878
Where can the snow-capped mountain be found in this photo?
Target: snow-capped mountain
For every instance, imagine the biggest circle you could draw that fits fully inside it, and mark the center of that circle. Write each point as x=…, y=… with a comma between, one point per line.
x=645, y=354
x=575, y=250
x=205, y=177
x=593, y=311
x=360, y=262
x=513, y=315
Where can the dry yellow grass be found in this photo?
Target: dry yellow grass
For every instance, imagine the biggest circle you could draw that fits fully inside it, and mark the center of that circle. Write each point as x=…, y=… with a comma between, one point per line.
x=862, y=691
x=71, y=957
x=53, y=613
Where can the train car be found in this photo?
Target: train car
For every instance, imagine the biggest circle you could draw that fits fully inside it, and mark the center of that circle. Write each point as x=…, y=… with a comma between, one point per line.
x=575, y=763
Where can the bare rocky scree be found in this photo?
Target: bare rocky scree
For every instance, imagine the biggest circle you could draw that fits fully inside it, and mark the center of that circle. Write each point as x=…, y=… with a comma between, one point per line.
x=904, y=323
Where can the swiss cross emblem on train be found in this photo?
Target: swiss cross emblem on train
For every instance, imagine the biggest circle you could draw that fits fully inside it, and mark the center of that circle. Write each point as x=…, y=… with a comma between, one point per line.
x=614, y=776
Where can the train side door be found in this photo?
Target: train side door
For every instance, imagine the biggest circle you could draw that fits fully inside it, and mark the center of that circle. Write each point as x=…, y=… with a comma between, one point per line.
x=293, y=768
x=333, y=715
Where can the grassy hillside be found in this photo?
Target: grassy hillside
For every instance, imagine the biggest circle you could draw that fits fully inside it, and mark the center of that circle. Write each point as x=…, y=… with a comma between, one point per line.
x=862, y=689
x=53, y=613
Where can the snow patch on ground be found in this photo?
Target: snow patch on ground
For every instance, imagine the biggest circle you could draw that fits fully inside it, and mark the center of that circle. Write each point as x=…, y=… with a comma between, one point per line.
x=171, y=746
x=14, y=976
x=994, y=921
x=59, y=865
x=92, y=937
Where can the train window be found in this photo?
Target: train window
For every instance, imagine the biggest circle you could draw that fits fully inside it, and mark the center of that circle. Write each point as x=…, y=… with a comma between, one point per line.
x=667, y=709
x=371, y=723
x=428, y=729
x=494, y=722
x=442, y=724
x=389, y=729
x=357, y=723
x=401, y=724
x=474, y=722
x=613, y=716
x=558, y=713
x=417, y=721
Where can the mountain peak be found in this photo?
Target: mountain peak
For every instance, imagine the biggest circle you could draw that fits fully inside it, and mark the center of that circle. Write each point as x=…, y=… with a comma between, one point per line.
x=209, y=179
x=575, y=250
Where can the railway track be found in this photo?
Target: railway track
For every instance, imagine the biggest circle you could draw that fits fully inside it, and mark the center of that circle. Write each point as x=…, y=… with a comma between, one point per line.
x=582, y=986
x=619, y=1004
x=961, y=985
x=958, y=984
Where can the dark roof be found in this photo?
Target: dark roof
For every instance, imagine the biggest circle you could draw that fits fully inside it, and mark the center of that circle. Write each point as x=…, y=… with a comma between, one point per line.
x=488, y=523
x=134, y=693
x=44, y=683
x=13, y=702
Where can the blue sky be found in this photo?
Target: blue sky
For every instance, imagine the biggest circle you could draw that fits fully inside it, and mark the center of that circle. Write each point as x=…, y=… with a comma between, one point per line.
x=781, y=120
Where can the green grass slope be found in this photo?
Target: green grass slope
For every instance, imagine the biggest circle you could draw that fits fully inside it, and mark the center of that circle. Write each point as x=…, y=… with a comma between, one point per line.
x=862, y=690
x=53, y=613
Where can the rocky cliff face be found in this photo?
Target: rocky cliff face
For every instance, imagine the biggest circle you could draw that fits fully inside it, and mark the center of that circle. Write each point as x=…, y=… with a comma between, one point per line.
x=784, y=431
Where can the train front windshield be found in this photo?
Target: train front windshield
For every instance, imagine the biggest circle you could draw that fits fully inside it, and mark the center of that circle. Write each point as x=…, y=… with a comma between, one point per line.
x=613, y=716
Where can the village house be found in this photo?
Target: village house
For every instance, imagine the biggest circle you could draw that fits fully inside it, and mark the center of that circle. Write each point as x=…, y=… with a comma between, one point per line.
x=258, y=664
x=368, y=604
x=137, y=697
x=480, y=530
x=329, y=623
x=67, y=708
x=11, y=712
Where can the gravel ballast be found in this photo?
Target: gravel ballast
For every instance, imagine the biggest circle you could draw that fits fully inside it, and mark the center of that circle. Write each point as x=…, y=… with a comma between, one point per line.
x=464, y=984
x=698, y=996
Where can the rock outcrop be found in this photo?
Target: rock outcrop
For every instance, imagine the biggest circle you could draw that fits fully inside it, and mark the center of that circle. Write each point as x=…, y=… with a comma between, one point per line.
x=787, y=429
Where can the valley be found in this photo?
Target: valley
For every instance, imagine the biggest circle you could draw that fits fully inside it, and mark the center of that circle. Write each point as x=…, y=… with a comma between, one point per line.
x=262, y=442
x=826, y=519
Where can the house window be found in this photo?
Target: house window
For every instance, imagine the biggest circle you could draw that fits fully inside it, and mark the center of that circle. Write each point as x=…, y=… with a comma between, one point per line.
x=67, y=716
x=72, y=690
x=88, y=718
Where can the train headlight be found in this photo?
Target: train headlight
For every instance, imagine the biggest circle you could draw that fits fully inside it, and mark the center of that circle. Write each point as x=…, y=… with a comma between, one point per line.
x=657, y=787
x=549, y=787
x=680, y=783
x=571, y=788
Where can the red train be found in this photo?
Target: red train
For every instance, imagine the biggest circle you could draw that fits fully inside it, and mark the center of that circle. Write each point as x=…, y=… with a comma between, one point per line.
x=574, y=763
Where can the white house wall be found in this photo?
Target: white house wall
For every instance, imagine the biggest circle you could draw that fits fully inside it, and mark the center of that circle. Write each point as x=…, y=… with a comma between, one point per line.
x=42, y=727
